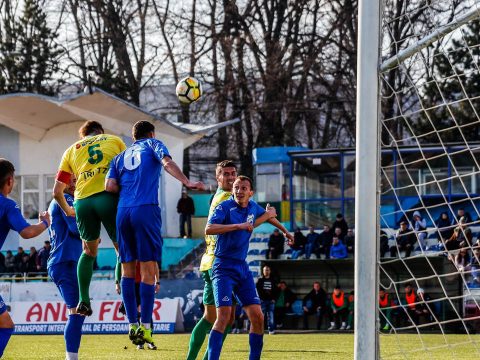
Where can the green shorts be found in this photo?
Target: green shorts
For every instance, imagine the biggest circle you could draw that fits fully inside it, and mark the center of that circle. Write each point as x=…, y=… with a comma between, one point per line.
x=208, y=298
x=95, y=210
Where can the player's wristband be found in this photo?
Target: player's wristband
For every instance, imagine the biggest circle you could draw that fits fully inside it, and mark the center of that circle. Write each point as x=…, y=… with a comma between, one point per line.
x=45, y=223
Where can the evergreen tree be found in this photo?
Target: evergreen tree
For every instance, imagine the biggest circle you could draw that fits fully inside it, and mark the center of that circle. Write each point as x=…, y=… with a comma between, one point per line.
x=453, y=99
x=29, y=54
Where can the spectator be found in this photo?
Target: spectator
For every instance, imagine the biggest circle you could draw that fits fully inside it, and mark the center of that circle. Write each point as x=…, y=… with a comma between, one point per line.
x=312, y=245
x=340, y=223
x=19, y=259
x=186, y=208
x=2, y=263
x=409, y=304
x=338, y=233
x=283, y=304
x=474, y=266
x=32, y=261
x=385, y=303
x=42, y=257
x=276, y=243
x=314, y=303
x=424, y=313
x=338, y=250
x=461, y=213
x=339, y=305
x=405, y=239
x=383, y=243
x=420, y=227
x=351, y=308
x=23, y=267
x=462, y=236
x=444, y=228
x=267, y=288
x=298, y=246
x=325, y=242
x=462, y=259
x=349, y=241
x=9, y=262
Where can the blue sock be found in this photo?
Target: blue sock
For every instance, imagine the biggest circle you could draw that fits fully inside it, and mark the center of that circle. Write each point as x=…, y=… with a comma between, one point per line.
x=73, y=332
x=215, y=342
x=256, y=346
x=129, y=299
x=147, y=298
x=5, y=334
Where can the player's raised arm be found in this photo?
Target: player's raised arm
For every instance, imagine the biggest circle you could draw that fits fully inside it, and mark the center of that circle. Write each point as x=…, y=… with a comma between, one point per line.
x=217, y=229
x=36, y=229
x=172, y=168
x=58, y=189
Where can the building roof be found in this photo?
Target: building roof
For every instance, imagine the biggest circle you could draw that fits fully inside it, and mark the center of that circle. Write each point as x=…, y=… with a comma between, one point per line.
x=34, y=115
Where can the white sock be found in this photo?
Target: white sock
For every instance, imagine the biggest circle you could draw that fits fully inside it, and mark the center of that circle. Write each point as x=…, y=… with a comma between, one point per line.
x=344, y=324
x=332, y=324
x=72, y=356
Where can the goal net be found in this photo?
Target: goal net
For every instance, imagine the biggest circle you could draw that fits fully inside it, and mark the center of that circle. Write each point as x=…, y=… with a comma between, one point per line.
x=429, y=105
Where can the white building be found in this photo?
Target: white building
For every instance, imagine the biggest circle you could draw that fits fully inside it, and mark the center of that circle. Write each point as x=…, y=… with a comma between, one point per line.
x=35, y=130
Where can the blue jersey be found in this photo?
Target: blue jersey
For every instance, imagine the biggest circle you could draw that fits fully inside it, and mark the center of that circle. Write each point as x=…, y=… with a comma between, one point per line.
x=234, y=244
x=64, y=236
x=137, y=172
x=10, y=218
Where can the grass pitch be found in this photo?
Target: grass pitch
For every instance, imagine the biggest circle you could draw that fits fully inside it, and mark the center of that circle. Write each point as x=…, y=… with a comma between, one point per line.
x=279, y=346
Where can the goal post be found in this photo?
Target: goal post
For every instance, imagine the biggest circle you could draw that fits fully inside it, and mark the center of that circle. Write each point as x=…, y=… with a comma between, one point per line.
x=367, y=180
x=417, y=179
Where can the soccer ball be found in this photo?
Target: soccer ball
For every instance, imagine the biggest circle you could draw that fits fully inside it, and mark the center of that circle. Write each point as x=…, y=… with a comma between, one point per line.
x=189, y=90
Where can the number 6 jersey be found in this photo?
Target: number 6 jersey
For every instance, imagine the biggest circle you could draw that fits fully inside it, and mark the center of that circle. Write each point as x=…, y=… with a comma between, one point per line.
x=89, y=160
x=136, y=182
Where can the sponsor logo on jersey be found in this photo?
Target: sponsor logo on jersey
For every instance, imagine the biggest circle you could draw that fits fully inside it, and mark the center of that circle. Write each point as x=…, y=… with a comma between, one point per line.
x=226, y=298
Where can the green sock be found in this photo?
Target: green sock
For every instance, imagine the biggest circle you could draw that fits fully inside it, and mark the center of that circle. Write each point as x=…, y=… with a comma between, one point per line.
x=225, y=333
x=197, y=338
x=118, y=271
x=84, y=273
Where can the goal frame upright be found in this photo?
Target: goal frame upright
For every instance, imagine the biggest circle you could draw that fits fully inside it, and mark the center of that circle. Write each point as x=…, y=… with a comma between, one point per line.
x=366, y=345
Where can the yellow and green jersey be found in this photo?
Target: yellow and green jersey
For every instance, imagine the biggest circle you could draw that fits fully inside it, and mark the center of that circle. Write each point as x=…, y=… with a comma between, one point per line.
x=89, y=160
x=211, y=240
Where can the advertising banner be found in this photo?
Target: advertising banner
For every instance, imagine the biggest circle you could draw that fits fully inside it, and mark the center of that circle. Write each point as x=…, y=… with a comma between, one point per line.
x=49, y=317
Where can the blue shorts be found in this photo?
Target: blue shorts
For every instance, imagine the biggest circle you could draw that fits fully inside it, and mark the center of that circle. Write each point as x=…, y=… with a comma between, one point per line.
x=64, y=275
x=3, y=307
x=233, y=276
x=139, y=233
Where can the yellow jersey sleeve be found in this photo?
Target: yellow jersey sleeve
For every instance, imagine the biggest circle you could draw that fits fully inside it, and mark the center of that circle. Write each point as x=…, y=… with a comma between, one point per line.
x=65, y=162
x=89, y=160
x=211, y=240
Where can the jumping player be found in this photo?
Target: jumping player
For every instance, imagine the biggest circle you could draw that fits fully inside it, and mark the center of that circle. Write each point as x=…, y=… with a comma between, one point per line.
x=62, y=267
x=88, y=160
x=233, y=221
x=225, y=173
x=11, y=219
x=135, y=174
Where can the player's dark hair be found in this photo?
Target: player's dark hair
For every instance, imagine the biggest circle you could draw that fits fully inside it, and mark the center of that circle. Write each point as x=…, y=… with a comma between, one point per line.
x=90, y=127
x=6, y=170
x=141, y=129
x=224, y=164
x=245, y=178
